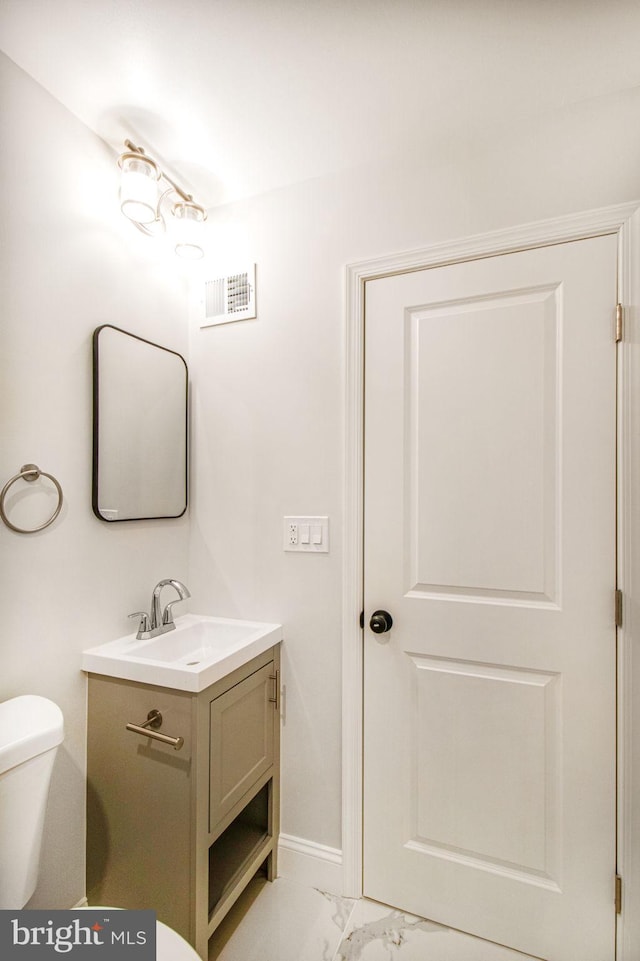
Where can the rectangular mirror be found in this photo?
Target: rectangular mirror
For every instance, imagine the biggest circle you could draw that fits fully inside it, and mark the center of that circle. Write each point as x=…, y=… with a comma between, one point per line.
x=139, y=428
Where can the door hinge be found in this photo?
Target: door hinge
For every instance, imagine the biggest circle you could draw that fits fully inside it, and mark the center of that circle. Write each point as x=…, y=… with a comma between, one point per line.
x=618, y=894
x=619, y=323
x=618, y=608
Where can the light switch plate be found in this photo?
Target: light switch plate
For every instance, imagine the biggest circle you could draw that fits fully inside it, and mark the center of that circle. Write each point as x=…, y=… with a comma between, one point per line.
x=306, y=534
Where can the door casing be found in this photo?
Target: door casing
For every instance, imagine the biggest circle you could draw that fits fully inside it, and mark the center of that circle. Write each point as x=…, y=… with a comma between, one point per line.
x=624, y=221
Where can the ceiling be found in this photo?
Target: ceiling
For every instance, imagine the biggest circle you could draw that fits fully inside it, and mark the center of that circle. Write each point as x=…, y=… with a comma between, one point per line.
x=237, y=97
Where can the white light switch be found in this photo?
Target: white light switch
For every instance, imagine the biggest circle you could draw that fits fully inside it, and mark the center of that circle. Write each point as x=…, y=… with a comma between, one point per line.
x=310, y=534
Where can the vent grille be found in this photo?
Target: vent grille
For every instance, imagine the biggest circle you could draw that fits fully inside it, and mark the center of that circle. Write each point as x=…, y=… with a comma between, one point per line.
x=230, y=298
x=238, y=293
x=214, y=297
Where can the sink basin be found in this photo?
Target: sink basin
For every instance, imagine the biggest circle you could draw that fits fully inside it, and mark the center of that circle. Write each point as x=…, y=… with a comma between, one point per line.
x=194, y=643
x=199, y=652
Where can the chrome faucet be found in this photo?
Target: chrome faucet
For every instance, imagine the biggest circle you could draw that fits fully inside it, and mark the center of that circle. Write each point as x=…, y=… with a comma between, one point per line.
x=159, y=621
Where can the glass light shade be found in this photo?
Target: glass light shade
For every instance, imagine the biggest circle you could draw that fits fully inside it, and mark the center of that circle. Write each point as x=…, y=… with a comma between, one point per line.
x=189, y=220
x=139, y=189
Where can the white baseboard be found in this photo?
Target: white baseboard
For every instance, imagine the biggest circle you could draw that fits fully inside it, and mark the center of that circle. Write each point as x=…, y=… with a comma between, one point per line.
x=83, y=903
x=315, y=865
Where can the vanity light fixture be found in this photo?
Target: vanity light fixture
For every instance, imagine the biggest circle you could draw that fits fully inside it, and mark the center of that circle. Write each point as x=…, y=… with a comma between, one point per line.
x=189, y=217
x=147, y=194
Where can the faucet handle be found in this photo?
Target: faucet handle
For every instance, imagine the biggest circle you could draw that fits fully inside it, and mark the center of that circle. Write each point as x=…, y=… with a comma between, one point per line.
x=167, y=614
x=144, y=621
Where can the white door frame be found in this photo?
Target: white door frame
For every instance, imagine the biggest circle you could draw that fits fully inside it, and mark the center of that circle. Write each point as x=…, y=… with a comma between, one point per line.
x=623, y=220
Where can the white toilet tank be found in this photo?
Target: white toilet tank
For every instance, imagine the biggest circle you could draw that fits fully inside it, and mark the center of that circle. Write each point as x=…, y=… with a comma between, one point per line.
x=31, y=728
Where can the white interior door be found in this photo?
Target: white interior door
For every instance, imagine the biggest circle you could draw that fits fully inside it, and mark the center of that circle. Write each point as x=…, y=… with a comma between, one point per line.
x=490, y=446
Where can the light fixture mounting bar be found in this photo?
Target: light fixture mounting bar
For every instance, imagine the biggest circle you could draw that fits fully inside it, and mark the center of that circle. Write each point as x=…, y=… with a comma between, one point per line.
x=140, y=150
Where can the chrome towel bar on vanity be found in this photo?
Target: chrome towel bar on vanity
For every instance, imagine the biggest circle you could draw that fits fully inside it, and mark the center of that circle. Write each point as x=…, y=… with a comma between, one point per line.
x=30, y=473
x=154, y=720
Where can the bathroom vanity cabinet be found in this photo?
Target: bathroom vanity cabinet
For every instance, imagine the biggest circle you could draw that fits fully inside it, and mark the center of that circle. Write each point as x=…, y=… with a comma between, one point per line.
x=183, y=831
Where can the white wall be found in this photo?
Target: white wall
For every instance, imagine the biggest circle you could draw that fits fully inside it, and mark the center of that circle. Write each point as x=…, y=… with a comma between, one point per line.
x=268, y=403
x=69, y=264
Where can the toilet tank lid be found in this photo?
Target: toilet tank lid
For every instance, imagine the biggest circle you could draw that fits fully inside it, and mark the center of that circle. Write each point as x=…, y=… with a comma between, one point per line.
x=29, y=726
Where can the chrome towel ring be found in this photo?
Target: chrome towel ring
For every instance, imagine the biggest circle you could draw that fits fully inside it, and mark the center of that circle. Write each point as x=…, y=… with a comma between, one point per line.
x=30, y=473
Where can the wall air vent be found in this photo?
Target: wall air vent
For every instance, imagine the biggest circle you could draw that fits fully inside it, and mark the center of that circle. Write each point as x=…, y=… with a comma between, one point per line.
x=230, y=298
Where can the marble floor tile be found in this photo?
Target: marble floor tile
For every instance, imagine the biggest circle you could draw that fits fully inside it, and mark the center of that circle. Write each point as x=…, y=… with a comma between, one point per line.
x=287, y=921
x=379, y=933
x=281, y=921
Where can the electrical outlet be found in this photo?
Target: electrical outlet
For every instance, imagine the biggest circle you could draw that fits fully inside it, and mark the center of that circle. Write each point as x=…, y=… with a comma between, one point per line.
x=306, y=534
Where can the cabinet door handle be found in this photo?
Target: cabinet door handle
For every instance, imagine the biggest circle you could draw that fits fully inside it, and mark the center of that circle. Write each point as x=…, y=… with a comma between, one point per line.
x=154, y=719
x=276, y=690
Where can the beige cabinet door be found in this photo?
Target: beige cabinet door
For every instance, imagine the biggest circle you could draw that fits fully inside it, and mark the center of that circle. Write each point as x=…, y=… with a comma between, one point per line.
x=490, y=512
x=241, y=740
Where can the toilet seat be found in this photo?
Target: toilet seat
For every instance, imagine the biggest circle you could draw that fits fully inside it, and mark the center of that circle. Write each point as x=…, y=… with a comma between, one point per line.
x=170, y=946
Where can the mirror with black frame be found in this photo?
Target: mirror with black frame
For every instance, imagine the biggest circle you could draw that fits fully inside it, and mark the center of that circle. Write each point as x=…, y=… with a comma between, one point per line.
x=139, y=428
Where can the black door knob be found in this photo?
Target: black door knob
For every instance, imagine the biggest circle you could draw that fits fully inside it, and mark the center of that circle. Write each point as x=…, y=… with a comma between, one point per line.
x=381, y=622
